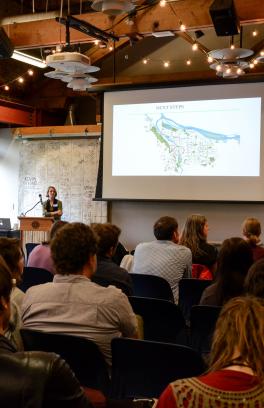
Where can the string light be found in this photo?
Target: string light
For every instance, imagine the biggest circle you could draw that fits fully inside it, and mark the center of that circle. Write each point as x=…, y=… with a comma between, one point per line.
x=162, y=3
x=232, y=46
x=20, y=79
x=96, y=42
x=254, y=33
x=166, y=64
x=182, y=27
x=251, y=65
x=210, y=59
x=195, y=46
x=145, y=61
x=188, y=62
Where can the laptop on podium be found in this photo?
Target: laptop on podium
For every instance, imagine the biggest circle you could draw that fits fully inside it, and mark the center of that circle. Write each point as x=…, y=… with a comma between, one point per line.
x=5, y=224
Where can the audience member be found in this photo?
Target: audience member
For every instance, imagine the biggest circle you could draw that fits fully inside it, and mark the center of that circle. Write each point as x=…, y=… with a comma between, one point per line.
x=236, y=371
x=234, y=261
x=74, y=305
x=119, y=254
x=194, y=237
x=251, y=230
x=108, y=272
x=164, y=257
x=11, y=252
x=254, y=282
x=40, y=256
x=32, y=379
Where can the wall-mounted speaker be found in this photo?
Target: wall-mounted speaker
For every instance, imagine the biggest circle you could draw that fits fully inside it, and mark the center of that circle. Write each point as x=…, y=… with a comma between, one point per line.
x=224, y=17
x=6, y=46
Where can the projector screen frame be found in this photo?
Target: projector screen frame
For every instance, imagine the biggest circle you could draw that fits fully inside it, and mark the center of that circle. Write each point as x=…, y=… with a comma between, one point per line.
x=197, y=85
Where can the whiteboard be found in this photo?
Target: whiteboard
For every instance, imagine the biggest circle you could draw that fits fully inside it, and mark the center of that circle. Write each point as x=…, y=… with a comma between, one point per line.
x=69, y=165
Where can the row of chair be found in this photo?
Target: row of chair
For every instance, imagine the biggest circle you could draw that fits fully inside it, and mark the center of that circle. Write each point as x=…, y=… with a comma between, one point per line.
x=190, y=290
x=140, y=368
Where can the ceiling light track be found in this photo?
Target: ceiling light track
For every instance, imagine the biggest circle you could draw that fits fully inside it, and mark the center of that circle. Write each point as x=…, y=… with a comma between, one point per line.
x=87, y=28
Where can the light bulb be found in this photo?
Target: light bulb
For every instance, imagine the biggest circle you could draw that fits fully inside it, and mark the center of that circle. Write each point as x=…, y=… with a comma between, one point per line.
x=162, y=3
x=30, y=72
x=182, y=27
x=96, y=42
x=20, y=80
x=6, y=88
x=195, y=46
x=251, y=65
x=218, y=68
x=166, y=64
x=232, y=46
x=239, y=71
x=145, y=61
x=254, y=33
x=210, y=59
x=188, y=62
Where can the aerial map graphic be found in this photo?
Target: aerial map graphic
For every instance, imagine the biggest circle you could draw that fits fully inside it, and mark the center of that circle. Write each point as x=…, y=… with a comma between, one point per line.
x=186, y=145
x=191, y=138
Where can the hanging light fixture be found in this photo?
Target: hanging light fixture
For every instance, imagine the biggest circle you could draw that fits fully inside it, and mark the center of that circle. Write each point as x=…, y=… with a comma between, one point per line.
x=113, y=7
x=229, y=62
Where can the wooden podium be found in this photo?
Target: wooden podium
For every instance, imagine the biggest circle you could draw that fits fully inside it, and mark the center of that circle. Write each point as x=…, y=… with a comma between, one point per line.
x=34, y=226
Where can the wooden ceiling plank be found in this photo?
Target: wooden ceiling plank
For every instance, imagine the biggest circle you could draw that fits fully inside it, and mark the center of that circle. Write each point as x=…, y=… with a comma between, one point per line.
x=194, y=14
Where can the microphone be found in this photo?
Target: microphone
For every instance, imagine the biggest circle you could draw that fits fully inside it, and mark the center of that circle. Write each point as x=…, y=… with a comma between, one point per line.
x=40, y=199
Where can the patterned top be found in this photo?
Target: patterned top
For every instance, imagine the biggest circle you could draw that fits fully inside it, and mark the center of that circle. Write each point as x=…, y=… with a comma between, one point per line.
x=166, y=259
x=221, y=389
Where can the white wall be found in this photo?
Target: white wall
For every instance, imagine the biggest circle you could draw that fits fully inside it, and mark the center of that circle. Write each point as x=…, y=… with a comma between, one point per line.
x=136, y=219
x=9, y=168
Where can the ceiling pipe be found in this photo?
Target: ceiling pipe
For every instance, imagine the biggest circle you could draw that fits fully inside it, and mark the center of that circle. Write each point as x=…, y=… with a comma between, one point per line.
x=27, y=18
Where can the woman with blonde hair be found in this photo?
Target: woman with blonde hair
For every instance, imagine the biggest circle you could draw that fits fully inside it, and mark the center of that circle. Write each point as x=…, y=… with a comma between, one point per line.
x=194, y=237
x=11, y=252
x=236, y=370
x=251, y=230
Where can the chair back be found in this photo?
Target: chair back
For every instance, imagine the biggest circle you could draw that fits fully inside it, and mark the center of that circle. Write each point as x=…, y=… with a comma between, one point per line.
x=190, y=292
x=29, y=247
x=34, y=276
x=142, y=369
x=202, y=324
x=106, y=282
x=151, y=286
x=82, y=355
x=162, y=320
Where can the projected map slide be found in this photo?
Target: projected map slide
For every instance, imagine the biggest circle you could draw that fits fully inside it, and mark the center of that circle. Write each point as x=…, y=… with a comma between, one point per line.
x=194, y=138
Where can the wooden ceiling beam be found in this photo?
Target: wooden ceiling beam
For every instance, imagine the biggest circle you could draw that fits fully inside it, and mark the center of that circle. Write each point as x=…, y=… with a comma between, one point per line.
x=194, y=14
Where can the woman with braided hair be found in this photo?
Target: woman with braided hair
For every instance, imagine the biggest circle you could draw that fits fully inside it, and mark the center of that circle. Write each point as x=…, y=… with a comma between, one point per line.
x=236, y=370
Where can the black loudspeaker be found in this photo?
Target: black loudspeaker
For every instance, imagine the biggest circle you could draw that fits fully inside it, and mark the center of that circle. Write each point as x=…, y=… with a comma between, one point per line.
x=6, y=47
x=224, y=17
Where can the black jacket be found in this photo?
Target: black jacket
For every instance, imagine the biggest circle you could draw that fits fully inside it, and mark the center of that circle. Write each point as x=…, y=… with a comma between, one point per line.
x=37, y=380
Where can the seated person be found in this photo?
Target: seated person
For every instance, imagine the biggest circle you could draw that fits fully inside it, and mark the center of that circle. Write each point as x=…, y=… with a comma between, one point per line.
x=108, y=272
x=251, y=229
x=164, y=257
x=194, y=237
x=72, y=303
x=40, y=256
x=236, y=371
x=234, y=261
x=32, y=379
x=254, y=282
x=11, y=252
